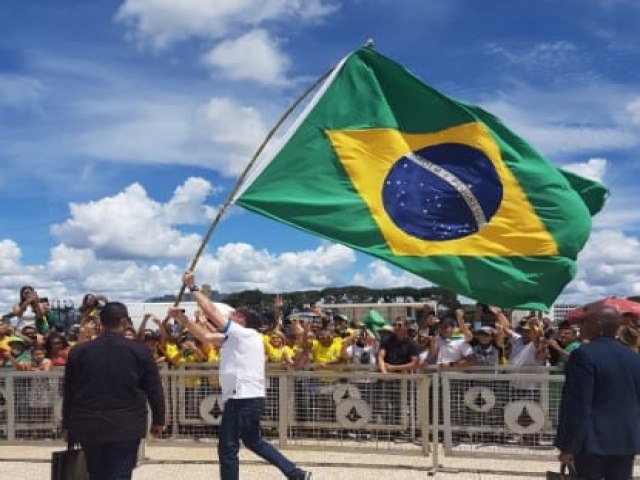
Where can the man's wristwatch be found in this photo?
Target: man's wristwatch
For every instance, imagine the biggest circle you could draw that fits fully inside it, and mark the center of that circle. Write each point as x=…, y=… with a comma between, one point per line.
x=193, y=288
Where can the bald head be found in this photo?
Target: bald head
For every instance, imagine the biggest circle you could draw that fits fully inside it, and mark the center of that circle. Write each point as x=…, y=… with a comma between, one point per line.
x=601, y=322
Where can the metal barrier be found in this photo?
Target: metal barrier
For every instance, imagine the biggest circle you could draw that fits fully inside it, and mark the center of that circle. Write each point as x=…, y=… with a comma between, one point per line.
x=30, y=406
x=500, y=413
x=352, y=410
x=497, y=413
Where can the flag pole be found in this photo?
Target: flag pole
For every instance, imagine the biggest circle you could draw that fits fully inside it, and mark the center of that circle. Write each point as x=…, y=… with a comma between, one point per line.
x=244, y=174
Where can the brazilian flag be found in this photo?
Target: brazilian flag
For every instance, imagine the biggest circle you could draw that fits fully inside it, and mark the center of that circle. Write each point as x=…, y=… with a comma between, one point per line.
x=383, y=163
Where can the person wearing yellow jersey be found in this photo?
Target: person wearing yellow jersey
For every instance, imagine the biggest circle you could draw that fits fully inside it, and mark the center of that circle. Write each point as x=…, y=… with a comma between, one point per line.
x=5, y=335
x=168, y=336
x=277, y=352
x=326, y=349
x=189, y=353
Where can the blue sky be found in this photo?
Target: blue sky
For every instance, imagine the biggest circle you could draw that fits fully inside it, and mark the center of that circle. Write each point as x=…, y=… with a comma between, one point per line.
x=125, y=123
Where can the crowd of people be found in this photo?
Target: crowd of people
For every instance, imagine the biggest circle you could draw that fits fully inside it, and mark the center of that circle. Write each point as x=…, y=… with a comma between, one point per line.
x=32, y=337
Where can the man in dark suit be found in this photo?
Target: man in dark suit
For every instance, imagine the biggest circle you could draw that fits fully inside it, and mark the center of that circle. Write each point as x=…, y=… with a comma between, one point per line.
x=599, y=420
x=107, y=384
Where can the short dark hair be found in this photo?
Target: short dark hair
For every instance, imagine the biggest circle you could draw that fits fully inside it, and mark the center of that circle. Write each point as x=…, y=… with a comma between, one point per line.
x=448, y=322
x=112, y=314
x=251, y=317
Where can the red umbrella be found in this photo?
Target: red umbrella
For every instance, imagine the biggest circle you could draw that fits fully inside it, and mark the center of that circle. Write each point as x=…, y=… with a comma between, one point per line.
x=622, y=305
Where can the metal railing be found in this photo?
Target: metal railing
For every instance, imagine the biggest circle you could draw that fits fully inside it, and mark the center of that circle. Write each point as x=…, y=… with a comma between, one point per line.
x=355, y=410
x=502, y=412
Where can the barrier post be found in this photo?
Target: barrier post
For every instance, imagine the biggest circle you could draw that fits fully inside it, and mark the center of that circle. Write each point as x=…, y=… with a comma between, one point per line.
x=11, y=408
x=435, y=388
x=283, y=409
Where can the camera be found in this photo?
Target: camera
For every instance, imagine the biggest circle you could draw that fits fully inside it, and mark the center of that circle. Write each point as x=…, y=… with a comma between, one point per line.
x=365, y=358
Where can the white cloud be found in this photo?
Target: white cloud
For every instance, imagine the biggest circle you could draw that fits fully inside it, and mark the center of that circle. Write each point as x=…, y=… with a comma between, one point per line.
x=130, y=225
x=594, y=168
x=241, y=266
x=187, y=204
x=10, y=254
x=18, y=91
x=69, y=263
x=253, y=56
x=532, y=56
x=221, y=134
x=608, y=265
x=381, y=275
x=71, y=272
x=633, y=109
x=161, y=23
x=535, y=115
x=231, y=130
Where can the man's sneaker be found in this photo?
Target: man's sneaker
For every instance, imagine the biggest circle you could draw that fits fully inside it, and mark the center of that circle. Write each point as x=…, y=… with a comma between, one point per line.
x=301, y=475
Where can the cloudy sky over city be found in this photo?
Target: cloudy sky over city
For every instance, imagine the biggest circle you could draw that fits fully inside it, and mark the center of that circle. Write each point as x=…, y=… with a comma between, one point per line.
x=125, y=124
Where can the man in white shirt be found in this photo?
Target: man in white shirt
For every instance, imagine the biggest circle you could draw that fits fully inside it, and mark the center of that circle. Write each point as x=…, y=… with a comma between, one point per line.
x=242, y=380
x=450, y=353
x=527, y=350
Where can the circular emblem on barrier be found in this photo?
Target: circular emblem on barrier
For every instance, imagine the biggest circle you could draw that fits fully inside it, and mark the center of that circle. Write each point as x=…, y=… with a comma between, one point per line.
x=344, y=391
x=479, y=399
x=353, y=413
x=523, y=417
x=211, y=409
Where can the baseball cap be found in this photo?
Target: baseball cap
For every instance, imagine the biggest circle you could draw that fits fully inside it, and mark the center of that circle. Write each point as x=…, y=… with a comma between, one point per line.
x=523, y=325
x=486, y=329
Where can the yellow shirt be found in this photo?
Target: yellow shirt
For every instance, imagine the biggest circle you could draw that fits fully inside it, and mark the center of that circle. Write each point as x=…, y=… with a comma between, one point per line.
x=212, y=354
x=322, y=354
x=171, y=350
x=275, y=355
x=190, y=358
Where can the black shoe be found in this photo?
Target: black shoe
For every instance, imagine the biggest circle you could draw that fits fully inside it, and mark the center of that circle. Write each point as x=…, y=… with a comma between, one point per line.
x=300, y=475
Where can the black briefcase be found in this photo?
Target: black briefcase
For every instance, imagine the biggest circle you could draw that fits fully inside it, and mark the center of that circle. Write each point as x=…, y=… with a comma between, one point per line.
x=567, y=472
x=69, y=464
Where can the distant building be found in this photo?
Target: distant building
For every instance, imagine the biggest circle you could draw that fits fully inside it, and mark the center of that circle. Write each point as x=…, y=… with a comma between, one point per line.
x=359, y=311
x=560, y=310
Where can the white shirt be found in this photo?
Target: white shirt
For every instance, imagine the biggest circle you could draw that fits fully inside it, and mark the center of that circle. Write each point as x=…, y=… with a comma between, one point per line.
x=524, y=355
x=28, y=318
x=355, y=352
x=452, y=350
x=241, y=363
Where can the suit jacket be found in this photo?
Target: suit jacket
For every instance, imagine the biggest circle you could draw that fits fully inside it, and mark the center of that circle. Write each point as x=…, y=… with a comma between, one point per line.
x=600, y=408
x=106, y=387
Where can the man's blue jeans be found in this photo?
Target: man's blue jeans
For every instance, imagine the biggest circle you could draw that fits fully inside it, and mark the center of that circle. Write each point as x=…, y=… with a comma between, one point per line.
x=241, y=421
x=111, y=460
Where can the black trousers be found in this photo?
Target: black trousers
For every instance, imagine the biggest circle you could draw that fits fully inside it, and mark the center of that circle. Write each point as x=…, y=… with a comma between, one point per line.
x=111, y=460
x=604, y=467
